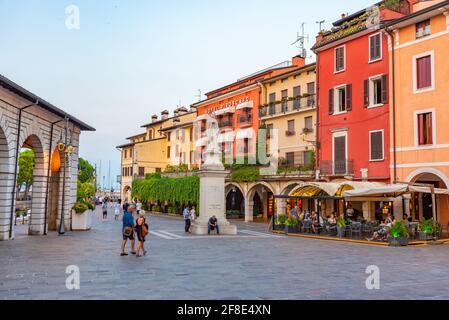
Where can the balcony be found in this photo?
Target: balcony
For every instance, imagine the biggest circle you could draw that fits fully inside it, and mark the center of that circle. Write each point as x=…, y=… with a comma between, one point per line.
x=289, y=133
x=287, y=106
x=246, y=120
x=337, y=168
x=225, y=123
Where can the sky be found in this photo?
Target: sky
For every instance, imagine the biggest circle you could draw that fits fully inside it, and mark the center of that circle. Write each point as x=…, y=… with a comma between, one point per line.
x=130, y=59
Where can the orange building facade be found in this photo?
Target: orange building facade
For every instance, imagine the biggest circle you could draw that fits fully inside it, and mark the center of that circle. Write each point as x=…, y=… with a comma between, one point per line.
x=420, y=138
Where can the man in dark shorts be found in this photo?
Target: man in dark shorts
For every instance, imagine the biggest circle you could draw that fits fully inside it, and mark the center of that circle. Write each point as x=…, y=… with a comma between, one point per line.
x=128, y=226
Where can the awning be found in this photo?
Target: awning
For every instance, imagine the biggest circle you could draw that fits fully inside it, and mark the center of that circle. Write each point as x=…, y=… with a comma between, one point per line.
x=392, y=191
x=201, y=142
x=246, y=105
x=226, y=137
x=202, y=117
x=225, y=111
x=245, y=134
x=333, y=189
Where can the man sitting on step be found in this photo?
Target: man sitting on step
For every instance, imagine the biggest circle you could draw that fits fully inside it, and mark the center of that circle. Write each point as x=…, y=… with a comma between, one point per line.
x=212, y=225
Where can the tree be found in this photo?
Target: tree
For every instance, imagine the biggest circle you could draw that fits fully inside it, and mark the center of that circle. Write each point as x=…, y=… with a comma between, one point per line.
x=26, y=168
x=86, y=171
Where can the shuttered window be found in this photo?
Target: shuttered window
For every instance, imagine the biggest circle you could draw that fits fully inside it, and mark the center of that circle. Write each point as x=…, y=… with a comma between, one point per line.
x=339, y=59
x=376, y=145
x=425, y=129
x=375, y=47
x=297, y=95
x=340, y=155
x=290, y=159
x=424, y=72
x=141, y=171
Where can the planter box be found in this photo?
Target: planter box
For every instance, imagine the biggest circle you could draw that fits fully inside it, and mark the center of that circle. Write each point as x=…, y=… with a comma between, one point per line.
x=292, y=229
x=425, y=236
x=341, y=232
x=82, y=222
x=279, y=227
x=398, y=242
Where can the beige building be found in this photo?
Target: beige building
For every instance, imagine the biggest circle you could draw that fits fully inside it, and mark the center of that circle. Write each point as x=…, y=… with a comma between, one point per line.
x=289, y=106
x=156, y=148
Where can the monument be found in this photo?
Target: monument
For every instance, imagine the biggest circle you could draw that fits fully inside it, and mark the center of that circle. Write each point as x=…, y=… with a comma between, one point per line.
x=212, y=190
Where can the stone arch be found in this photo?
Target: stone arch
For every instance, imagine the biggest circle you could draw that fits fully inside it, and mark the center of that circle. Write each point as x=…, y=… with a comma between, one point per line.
x=235, y=201
x=6, y=180
x=289, y=187
x=229, y=186
x=412, y=177
x=250, y=196
x=127, y=193
x=39, y=191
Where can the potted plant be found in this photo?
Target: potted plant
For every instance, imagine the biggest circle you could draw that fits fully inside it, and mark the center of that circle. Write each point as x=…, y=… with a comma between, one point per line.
x=82, y=213
x=428, y=229
x=341, y=227
x=291, y=225
x=280, y=222
x=399, y=234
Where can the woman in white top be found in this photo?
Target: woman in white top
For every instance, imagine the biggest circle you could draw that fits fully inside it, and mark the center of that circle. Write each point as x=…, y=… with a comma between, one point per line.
x=116, y=207
x=192, y=215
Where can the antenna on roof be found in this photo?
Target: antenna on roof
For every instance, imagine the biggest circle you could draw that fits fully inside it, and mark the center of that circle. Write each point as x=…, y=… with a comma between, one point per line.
x=321, y=24
x=301, y=38
x=199, y=95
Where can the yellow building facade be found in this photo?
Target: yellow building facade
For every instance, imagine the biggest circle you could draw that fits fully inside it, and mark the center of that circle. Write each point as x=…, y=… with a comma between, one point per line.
x=420, y=150
x=289, y=108
x=151, y=151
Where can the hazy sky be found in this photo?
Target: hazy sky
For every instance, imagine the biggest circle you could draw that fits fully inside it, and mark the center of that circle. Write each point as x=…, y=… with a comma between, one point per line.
x=133, y=58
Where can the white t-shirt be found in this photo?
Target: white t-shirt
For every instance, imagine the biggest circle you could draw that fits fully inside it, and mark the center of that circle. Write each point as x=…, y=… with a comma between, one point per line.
x=138, y=206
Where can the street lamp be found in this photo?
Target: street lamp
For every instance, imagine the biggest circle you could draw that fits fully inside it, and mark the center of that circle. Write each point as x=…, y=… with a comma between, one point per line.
x=67, y=148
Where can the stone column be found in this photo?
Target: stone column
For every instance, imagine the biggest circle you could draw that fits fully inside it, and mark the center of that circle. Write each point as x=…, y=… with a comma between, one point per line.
x=281, y=206
x=249, y=210
x=213, y=203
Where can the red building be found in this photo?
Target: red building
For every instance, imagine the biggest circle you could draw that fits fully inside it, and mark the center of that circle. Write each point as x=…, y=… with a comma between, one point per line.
x=353, y=96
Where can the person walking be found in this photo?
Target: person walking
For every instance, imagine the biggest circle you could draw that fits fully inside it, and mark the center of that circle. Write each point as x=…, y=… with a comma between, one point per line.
x=116, y=207
x=142, y=232
x=138, y=207
x=188, y=222
x=105, y=210
x=128, y=233
x=125, y=206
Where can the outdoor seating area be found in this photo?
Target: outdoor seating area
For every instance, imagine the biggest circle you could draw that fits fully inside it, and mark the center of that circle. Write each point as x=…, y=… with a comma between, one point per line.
x=372, y=231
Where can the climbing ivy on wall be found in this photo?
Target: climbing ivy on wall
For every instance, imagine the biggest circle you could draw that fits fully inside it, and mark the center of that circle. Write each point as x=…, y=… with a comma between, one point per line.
x=173, y=190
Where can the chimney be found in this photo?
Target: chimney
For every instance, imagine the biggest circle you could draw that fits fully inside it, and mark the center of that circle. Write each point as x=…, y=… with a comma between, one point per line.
x=154, y=118
x=182, y=111
x=164, y=114
x=176, y=113
x=343, y=15
x=299, y=61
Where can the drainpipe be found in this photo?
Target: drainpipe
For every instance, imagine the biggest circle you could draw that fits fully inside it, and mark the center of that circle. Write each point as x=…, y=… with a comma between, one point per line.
x=48, y=175
x=393, y=102
x=16, y=166
x=317, y=98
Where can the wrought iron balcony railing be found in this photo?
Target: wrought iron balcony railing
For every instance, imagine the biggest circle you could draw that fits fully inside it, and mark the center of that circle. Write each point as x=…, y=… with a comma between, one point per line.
x=337, y=168
x=287, y=106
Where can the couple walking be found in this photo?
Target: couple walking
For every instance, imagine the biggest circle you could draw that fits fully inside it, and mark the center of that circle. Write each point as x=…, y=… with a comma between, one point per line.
x=189, y=217
x=130, y=229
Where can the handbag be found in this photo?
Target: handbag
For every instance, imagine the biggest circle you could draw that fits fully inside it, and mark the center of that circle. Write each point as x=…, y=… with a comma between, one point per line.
x=128, y=231
x=145, y=231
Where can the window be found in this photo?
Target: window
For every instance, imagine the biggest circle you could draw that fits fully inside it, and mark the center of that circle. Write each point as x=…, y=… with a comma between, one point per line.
x=284, y=95
x=297, y=95
x=131, y=153
x=308, y=124
x=340, y=153
x=191, y=134
x=126, y=154
x=290, y=157
x=150, y=134
x=308, y=158
x=177, y=135
x=169, y=136
x=376, y=142
x=424, y=72
x=158, y=170
x=141, y=171
x=340, y=99
x=183, y=138
x=340, y=59
x=192, y=157
x=291, y=126
x=375, y=47
x=425, y=129
x=311, y=94
x=272, y=100
x=168, y=152
x=423, y=29
x=376, y=91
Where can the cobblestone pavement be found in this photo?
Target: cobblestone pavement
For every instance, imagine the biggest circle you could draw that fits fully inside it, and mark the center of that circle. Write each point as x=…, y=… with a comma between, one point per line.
x=252, y=265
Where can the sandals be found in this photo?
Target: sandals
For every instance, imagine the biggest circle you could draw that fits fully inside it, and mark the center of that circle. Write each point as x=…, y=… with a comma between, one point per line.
x=123, y=254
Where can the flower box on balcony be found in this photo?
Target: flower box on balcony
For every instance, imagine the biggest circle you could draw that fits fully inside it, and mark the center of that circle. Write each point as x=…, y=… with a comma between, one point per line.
x=290, y=133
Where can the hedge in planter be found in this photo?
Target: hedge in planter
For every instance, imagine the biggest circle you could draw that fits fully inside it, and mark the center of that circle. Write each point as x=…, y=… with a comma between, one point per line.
x=428, y=229
x=280, y=222
x=341, y=227
x=291, y=225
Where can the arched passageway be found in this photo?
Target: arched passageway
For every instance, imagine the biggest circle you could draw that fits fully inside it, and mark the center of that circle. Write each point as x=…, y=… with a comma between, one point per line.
x=235, y=202
x=259, y=202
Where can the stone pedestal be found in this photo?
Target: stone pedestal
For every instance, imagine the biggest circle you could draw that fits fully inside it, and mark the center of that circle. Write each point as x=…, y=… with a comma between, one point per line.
x=213, y=203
